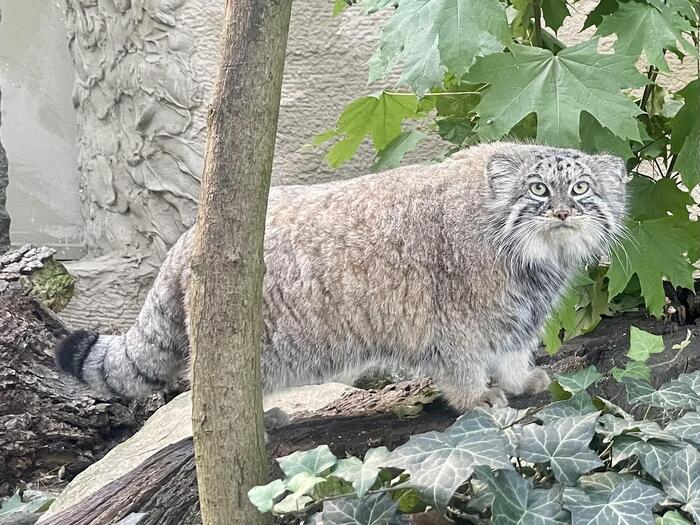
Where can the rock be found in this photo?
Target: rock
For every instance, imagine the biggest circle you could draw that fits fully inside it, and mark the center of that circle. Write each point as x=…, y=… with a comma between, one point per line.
x=172, y=423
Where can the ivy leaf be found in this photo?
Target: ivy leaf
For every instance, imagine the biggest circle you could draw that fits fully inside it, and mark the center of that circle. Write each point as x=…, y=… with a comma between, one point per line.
x=557, y=88
x=653, y=455
x=686, y=428
x=685, y=135
x=611, y=426
x=377, y=509
x=672, y=517
x=579, y=404
x=311, y=462
x=692, y=380
x=655, y=249
x=577, y=381
x=674, y=394
x=680, y=479
x=441, y=462
x=378, y=116
x=264, y=497
x=361, y=474
x=641, y=27
x=394, y=152
x=431, y=37
x=643, y=344
x=516, y=503
x=564, y=444
x=634, y=370
x=629, y=503
x=554, y=13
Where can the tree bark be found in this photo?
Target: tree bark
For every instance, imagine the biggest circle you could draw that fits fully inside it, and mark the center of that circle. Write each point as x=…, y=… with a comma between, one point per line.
x=227, y=261
x=51, y=426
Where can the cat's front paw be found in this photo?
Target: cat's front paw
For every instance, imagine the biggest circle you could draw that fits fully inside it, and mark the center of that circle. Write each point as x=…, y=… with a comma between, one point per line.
x=538, y=381
x=493, y=397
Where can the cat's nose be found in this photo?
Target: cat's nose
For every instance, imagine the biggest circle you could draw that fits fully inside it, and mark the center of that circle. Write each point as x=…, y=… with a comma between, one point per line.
x=562, y=214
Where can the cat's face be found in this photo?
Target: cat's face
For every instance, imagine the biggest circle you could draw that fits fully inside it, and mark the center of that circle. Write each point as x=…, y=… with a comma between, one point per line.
x=556, y=205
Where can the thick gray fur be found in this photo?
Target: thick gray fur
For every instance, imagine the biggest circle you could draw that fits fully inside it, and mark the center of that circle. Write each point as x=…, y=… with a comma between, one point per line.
x=449, y=270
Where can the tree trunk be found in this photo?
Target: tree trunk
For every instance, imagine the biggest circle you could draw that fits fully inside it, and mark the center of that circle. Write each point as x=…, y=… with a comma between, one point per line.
x=227, y=260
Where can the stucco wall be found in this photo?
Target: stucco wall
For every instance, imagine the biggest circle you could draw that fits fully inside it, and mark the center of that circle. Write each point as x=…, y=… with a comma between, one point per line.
x=38, y=126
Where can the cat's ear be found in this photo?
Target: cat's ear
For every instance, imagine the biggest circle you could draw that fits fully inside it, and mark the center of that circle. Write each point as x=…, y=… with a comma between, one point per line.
x=502, y=172
x=611, y=166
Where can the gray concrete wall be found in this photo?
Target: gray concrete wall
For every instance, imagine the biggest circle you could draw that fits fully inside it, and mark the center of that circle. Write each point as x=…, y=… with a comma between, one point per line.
x=38, y=126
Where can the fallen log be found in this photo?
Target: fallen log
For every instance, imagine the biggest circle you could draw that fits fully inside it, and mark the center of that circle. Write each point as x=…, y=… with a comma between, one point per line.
x=164, y=487
x=51, y=426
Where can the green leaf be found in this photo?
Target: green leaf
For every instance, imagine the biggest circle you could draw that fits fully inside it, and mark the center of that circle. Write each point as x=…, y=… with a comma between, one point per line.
x=611, y=426
x=602, y=482
x=362, y=474
x=264, y=497
x=564, y=444
x=686, y=428
x=674, y=394
x=685, y=135
x=656, y=199
x=654, y=249
x=377, y=509
x=643, y=344
x=672, y=518
x=441, y=462
x=640, y=27
x=634, y=370
x=602, y=8
x=379, y=117
x=685, y=342
x=312, y=462
x=579, y=404
x=339, y=6
x=16, y=504
x=595, y=139
x=554, y=13
x=558, y=88
x=431, y=37
x=680, y=478
x=577, y=381
x=517, y=503
x=629, y=503
x=653, y=454
x=394, y=152
x=692, y=380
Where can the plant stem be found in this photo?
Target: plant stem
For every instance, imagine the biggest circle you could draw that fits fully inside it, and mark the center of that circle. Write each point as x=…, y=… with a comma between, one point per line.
x=537, y=14
x=652, y=72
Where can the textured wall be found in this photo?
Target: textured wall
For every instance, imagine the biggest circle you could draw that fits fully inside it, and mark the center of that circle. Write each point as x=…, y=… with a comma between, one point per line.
x=144, y=73
x=38, y=126
x=4, y=216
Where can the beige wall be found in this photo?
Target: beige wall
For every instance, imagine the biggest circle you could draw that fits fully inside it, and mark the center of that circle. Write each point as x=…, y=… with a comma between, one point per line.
x=38, y=126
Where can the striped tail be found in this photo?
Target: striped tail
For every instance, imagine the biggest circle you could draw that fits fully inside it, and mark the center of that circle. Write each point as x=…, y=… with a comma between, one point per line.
x=153, y=351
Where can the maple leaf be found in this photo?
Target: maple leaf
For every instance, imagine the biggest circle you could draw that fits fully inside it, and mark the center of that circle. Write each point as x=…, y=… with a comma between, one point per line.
x=641, y=27
x=557, y=88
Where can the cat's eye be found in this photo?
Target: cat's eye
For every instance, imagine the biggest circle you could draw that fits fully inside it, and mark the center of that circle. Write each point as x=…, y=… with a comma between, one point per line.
x=580, y=188
x=539, y=189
